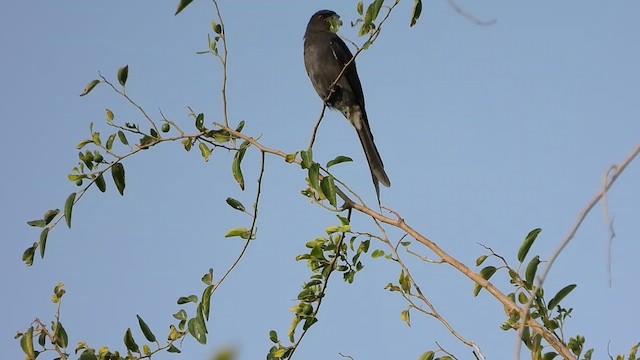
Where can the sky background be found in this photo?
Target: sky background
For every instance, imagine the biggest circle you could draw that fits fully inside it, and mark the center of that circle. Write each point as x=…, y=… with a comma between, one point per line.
x=486, y=134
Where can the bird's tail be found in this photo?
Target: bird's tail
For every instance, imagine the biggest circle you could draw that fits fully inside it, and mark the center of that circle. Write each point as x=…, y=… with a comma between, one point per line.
x=376, y=166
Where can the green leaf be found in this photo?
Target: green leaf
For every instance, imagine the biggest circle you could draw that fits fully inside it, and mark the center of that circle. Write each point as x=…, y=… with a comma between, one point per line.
x=377, y=254
x=235, y=204
x=109, y=116
x=37, y=223
x=130, y=343
x=208, y=277
x=61, y=336
x=183, y=4
x=241, y=232
x=122, y=137
x=237, y=161
x=307, y=158
x=561, y=295
x=406, y=317
x=42, y=338
x=83, y=144
x=205, y=151
x=481, y=259
x=206, y=298
x=123, y=74
x=184, y=300
x=360, y=7
x=28, y=254
x=88, y=355
x=50, y=215
x=43, y=241
x=549, y=356
x=117, y=172
x=338, y=160
x=26, y=342
x=200, y=122
x=68, y=208
x=486, y=274
x=427, y=356
x=146, y=330
x=173, y=349
x=102, y=185
x=273, y=336
x=240, y=126
x=90, y=87
x=530, y=272
x=329, y=189
x=197, y=329
x=314, y=176
x=417, y=10
x=181, y=315
x=291, y=157
x=526, y=244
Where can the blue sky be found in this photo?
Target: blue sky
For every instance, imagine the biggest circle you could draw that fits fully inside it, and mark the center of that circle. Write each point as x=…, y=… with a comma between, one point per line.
x=486, y=133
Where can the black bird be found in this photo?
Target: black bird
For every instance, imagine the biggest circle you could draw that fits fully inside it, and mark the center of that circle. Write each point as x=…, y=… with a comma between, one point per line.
x=325, y=55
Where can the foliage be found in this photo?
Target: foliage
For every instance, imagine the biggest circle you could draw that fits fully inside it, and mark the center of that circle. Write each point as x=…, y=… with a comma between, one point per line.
x=538, y=321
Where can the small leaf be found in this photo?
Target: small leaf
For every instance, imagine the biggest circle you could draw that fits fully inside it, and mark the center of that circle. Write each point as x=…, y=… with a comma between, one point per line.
x=240, y=126
x=307, y=158
x=273, y=336
x=117, y=172
x=28, y=254
x=526, y=244
x=197, y=329
x=110, y=141
x=241, y=232
x=561, y=295
x=314, y=176
x=183, y=4
x=235, y=204
x=26, y=342
x=173, y=349
x=145, y=330
x=427, y=356
x=481, y=259
x=205, y=305
x=377, y=254
x=61, y=336
x=208, y=277
x=530, y=272
x=200, y=122
x=181, y=315
x=37, y=223
x=184, y=300
x=123, y=74
x=122, y=137
x=102, y=185
x=338, y=160
x=486, y=273
x=130, y=343
x=329, y=189
x=417, y=10
x=43, y=241
x=205, y=151
x=291, y=157
x=237, y=160
x=406, y=317
x=50, y=215
x=109, y=116
x=68, y=208
x=360, y=7
x=90, y=87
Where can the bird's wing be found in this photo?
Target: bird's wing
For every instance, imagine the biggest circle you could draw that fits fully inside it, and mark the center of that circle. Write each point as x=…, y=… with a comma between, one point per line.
x=342, y=53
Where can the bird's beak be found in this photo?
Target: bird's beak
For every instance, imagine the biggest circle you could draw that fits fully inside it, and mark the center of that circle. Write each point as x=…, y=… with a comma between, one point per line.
x=335, y=23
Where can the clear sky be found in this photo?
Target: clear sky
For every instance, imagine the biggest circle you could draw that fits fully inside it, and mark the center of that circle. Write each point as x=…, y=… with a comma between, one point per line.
x=486, y=133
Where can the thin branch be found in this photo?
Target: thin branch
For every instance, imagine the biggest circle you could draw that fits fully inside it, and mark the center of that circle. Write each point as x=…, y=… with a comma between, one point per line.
x=468, y=16
x=608, y=219
x=223, y=60
x=581, y=217
x=153, y=124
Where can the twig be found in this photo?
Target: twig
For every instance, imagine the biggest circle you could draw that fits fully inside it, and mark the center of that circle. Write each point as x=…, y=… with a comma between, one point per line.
x=223, y=60
x=468, y=16
x=581, y=217
x=131, y=102
x=608, y=219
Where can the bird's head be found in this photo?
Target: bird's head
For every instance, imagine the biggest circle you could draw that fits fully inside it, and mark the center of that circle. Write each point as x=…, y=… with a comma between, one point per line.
x=325, y=20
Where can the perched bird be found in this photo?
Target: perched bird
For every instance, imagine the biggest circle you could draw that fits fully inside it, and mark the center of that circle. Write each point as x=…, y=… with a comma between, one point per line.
x=325, y=55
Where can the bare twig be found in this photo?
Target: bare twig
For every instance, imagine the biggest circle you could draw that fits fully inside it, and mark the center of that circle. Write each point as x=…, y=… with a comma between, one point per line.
x=468, y=16
x=607, y=217
x=223, y=60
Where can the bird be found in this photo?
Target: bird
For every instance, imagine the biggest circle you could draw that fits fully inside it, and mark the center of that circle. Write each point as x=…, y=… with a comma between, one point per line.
x=325, y=56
